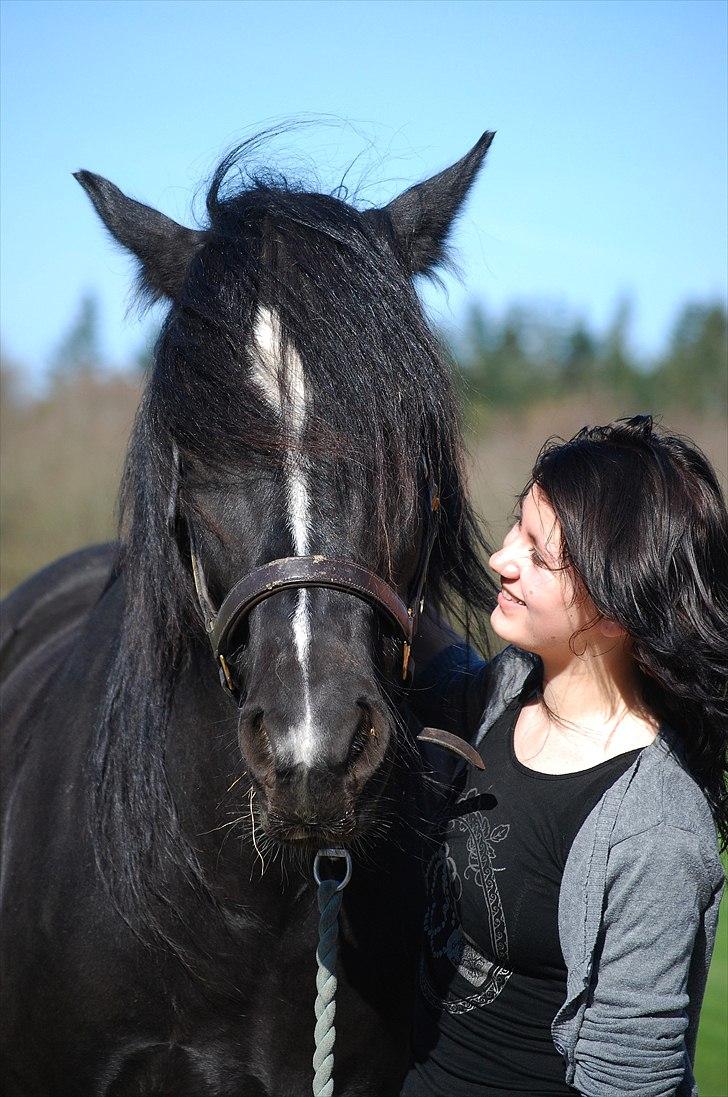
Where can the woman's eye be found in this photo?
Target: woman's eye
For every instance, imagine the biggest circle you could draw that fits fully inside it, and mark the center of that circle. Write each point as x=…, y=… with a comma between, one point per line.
x=538, y=560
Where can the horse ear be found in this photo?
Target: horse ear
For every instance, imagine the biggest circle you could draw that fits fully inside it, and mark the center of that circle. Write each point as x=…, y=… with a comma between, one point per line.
x=164, y=248
x=421, y=217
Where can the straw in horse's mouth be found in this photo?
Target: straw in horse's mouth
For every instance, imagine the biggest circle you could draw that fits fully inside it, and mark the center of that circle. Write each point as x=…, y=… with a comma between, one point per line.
x=312, y=834
x=300, y=833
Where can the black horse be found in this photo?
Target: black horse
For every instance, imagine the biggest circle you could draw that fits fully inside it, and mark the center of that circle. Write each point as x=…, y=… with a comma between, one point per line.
x=159, y=915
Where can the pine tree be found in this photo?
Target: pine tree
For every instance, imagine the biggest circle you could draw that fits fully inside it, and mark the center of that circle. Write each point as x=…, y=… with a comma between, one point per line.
x=79, y=352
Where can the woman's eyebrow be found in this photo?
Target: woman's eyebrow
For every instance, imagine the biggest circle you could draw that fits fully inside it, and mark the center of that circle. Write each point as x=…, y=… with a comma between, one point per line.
x=542, y=547
x=519, y=521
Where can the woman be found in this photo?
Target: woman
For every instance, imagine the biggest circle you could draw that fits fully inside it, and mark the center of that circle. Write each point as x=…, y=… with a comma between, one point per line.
x=573, y=902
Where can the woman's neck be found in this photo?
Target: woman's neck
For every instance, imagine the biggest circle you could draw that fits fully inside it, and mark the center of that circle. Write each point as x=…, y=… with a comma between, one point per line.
x=593, y=692
x=590, y=710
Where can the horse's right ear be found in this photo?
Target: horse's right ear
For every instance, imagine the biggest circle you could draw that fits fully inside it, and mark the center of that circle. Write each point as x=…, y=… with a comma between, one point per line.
x=164, y=248
x=421, y=218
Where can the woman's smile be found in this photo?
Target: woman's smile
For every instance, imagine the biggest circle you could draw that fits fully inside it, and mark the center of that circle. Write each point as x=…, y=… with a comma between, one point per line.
x=508, y=600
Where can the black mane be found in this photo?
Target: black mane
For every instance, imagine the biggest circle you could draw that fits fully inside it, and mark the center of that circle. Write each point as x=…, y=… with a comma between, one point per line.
x=384, y=408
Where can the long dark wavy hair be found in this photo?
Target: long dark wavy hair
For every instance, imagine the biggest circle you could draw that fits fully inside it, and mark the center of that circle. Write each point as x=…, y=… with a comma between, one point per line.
x=645, y=534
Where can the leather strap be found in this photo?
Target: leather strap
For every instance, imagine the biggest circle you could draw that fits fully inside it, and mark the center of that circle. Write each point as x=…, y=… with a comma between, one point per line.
x=307, y=571
x=294, y=572
x=453, y=743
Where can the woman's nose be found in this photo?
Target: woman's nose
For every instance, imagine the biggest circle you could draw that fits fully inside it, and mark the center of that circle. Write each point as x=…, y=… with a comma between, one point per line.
x=504, y=565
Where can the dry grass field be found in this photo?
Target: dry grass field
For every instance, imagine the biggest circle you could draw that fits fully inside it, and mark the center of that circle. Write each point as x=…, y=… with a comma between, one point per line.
x=60, y=463
x=60, y=466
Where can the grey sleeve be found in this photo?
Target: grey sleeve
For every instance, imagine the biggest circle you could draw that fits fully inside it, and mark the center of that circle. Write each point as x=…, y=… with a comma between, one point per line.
x=632, y=1039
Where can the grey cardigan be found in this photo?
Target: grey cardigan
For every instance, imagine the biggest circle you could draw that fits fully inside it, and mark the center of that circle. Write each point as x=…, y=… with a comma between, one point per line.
x=638, y=910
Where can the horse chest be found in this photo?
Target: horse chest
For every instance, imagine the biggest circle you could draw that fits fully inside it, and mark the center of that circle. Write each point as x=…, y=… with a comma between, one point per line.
x=264, y=1048
x=266, y=1053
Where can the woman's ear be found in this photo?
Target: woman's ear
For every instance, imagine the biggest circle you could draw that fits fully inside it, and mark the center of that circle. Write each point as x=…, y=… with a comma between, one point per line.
x=611, y=629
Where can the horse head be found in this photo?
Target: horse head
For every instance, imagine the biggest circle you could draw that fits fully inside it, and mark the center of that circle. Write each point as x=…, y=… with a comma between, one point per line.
x=300, y=410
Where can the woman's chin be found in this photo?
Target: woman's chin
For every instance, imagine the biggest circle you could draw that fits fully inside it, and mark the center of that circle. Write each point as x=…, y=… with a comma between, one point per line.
x=504, y=627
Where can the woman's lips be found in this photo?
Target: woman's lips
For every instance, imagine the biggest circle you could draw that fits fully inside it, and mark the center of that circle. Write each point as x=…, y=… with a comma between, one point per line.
x=507, y=600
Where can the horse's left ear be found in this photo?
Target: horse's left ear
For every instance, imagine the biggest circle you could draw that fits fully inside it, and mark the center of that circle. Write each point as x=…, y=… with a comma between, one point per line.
x=421, y=217
x=164, y=248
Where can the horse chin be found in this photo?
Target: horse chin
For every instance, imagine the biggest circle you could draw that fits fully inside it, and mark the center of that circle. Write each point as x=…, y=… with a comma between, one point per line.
x=310, y=839
x=350, y=812
x=308, y=834
x=342, y=830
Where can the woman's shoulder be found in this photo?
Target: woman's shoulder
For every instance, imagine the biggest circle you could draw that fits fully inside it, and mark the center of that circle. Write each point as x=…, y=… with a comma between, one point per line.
x=661, y=805
x=662, y=789
x=511, y=672
x=651, y=830
x=467, y=693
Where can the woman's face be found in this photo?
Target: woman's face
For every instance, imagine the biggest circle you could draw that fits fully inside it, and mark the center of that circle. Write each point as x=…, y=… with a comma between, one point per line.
x=536, y=607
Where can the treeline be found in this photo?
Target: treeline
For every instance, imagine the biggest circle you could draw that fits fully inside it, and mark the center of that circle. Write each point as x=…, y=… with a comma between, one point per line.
x=525, y=377
x=526, y=357
x=80, y=352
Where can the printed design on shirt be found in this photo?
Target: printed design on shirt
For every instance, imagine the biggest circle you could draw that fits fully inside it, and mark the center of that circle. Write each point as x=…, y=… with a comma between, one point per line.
x=448, y=952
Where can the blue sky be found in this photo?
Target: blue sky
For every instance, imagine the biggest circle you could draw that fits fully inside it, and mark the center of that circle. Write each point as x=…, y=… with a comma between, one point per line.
x=607, y=176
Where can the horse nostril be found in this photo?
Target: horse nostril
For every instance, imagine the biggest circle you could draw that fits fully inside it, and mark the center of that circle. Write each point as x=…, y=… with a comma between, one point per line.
x=256, y=744
x=365, y=734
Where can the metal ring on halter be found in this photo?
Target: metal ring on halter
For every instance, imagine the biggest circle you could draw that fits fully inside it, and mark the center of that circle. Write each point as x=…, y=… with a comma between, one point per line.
x=333, y=855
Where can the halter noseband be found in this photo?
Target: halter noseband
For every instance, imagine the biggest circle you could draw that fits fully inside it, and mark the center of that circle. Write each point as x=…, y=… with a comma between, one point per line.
x=297, y=572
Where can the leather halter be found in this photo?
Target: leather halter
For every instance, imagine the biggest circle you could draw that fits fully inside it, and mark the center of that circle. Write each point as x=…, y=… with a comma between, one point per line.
x=306, y=571
x=331, y=573
x=296, y=572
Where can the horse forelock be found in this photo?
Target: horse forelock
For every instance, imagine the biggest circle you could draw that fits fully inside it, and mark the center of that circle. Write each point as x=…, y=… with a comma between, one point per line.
x=314, y=317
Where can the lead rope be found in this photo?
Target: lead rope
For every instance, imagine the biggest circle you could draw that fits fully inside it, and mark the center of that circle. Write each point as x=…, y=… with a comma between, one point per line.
x=329, y=903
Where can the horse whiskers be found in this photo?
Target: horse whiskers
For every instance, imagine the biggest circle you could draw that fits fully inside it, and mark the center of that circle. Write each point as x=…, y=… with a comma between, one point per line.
x=241, y=819
x=359, y=848
x=430, y=777
x=294, y=861
x=235, y=782
x=252, y=823
x=223, y=826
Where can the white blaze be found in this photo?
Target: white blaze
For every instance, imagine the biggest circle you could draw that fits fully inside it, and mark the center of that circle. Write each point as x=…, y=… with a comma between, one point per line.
x=283, y=387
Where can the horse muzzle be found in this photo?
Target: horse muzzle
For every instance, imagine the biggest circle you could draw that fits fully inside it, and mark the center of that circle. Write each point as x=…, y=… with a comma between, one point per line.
x=316, y=783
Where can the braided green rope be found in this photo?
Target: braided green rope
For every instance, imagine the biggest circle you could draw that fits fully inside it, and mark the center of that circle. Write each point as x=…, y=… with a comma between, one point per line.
x=329, y=904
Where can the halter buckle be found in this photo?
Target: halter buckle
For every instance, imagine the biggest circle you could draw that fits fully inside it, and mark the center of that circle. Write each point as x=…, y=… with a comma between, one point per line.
x=226, y=680
x=406, y=653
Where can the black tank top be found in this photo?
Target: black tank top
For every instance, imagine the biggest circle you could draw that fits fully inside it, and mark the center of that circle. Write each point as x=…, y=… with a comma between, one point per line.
x=492, y=975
